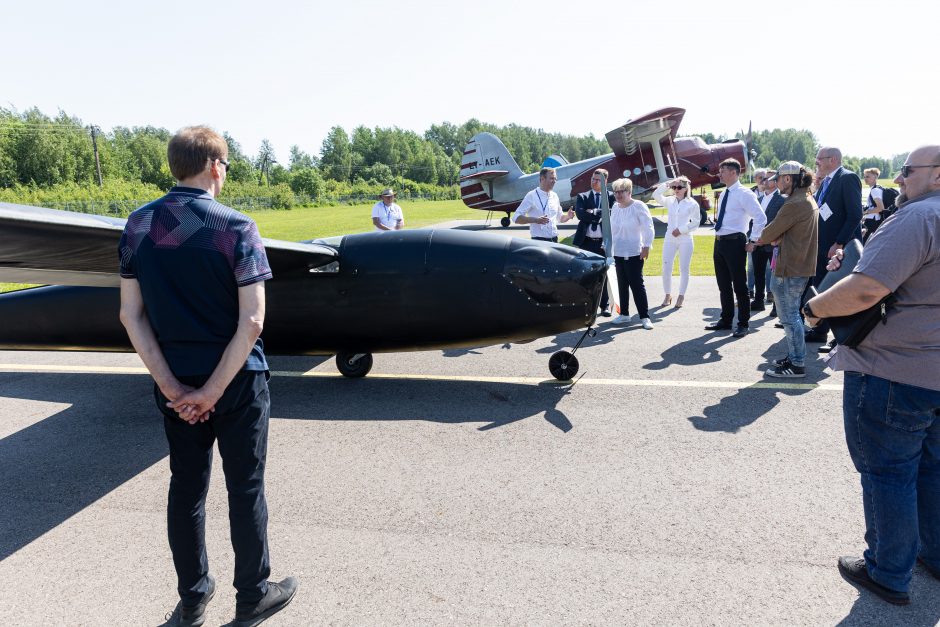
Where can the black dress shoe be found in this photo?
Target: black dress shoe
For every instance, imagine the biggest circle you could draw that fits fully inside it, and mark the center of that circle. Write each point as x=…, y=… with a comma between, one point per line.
x=778, y=325
x=757, y=305
x=740, y=331
x=827, y=347
x=816, y=336
x=718, y=326
x=854, y=571
x=773, y=312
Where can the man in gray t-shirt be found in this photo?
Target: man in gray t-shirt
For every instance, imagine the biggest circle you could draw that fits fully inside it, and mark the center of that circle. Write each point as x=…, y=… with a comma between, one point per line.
x=891, y=398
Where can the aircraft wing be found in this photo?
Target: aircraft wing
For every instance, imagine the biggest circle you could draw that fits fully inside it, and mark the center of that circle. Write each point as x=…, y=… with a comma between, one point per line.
x=625, y=140
x=54, y=247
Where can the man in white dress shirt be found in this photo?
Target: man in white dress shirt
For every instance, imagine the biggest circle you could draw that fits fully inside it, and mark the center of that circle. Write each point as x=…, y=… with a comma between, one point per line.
x=541, y=209
x=736, y=208
x=386, y=214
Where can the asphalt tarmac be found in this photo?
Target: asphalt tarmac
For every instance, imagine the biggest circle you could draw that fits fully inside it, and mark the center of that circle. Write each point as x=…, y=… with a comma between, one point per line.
x=671, y=483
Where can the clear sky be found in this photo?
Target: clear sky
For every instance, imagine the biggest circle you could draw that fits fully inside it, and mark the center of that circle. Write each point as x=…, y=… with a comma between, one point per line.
x=861, y=75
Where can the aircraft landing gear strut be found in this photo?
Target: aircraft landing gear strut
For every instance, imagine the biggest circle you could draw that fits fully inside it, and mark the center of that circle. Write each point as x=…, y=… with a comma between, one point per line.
x=564, y=365
x=354, y=365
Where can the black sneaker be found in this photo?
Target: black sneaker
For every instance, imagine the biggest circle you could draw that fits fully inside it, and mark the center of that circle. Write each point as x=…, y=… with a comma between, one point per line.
x=787, y=371
x=783, y=361
x=773, y=312
x=277, y=597
x=854, y=571
x=605, y=312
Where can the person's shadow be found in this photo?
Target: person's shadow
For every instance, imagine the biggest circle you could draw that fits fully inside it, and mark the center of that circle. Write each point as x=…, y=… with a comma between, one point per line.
x=924, y=610
x=744, y=407
x=109, y=431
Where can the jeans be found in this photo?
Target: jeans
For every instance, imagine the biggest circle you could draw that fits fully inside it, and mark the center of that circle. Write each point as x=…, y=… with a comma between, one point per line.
x=788, y=295
x=893, y=434
x=240, y=424
x=684, y=245
x=630, y=275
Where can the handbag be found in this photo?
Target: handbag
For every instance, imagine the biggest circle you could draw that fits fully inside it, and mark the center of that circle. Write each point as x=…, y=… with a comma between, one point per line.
x=852, y=329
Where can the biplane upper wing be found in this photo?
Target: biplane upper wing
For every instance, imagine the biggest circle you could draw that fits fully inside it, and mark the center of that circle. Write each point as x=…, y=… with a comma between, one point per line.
x=652, y=127
x=54, y=247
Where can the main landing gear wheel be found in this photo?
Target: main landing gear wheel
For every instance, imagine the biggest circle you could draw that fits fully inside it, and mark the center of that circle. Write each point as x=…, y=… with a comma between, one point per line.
x=505, y=222
x=563, y=366
x=354, y=365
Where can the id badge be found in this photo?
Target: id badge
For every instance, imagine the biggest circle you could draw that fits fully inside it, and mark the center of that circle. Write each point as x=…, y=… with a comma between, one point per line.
x=825, y=212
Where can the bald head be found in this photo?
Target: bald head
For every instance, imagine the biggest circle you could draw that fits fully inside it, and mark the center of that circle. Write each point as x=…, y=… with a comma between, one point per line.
x=828, y=160
x=923, y=173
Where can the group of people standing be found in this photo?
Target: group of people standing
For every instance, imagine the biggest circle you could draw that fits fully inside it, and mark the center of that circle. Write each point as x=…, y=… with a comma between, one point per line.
x=631, y=230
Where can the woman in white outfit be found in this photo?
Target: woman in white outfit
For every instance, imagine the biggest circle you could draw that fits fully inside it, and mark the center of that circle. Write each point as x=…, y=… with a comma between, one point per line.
x=684, y=217
x=631, y=229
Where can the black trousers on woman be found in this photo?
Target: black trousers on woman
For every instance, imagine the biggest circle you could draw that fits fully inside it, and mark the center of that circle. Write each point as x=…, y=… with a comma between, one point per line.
x=630, y=275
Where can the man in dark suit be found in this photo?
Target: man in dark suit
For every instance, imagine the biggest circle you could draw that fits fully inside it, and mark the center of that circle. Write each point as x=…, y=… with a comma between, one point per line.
x=590, y=235
x=840, y=219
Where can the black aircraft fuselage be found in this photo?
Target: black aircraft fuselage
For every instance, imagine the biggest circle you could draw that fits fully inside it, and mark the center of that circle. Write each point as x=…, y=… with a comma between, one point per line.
x=398, y=291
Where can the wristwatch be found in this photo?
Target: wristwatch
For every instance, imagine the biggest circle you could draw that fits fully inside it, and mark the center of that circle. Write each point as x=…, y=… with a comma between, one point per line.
x=808, y=312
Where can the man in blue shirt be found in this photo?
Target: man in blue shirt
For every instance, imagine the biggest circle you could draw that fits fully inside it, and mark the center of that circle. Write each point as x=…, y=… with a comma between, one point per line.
x=192, y=301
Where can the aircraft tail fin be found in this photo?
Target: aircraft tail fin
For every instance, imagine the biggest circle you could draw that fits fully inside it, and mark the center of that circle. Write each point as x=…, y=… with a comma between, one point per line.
x=485, y=158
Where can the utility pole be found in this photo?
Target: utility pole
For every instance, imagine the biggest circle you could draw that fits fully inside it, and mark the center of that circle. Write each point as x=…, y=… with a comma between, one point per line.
x=94, y=142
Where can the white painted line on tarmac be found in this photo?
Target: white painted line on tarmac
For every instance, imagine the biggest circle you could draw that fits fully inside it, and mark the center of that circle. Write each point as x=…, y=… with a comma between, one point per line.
x=659, y=383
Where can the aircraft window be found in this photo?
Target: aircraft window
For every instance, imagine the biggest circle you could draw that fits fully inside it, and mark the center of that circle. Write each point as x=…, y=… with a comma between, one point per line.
x=637, y=171
x=332, y=268
x=647, y=168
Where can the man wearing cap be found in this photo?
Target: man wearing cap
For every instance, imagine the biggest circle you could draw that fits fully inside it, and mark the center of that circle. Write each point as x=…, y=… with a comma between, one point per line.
x=736, y=208
x=541, y=209
x=891, y=392
x=794, y=229
x=386, y=214
x=839, y=198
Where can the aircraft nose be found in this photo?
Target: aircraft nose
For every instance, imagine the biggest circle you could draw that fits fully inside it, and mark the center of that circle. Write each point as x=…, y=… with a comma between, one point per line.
x=553, y=276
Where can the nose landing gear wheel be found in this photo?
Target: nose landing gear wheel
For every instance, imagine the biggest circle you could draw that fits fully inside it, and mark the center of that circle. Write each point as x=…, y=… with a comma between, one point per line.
x=505, y=222
x=563, y=366
x=354, y=365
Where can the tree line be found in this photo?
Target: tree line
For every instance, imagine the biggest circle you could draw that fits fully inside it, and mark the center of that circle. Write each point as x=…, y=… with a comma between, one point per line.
x=39, y=152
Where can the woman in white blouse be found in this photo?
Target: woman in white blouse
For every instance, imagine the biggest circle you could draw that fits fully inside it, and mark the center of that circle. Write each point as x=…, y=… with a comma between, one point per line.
x=632, y=234
x=684, y=217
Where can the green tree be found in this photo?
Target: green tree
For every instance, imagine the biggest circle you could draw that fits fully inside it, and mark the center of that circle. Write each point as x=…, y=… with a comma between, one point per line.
x=336, y=155
x=300, y=159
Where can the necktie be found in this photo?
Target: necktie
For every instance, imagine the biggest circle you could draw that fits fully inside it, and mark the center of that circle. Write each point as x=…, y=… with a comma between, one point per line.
x=822, y=189
x=721, y=211
x=597, y=200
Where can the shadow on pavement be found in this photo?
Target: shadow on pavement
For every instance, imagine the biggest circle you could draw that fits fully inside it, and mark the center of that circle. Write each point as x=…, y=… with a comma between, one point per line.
x=870, y=610
x=110, y=432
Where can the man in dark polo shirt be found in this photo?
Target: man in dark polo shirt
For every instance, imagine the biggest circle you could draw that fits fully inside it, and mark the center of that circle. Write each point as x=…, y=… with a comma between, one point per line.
x=192, y=301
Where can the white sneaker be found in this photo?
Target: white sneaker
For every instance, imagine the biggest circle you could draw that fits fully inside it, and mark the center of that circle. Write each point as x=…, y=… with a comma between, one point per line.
x=647, y=324
x=621, y=319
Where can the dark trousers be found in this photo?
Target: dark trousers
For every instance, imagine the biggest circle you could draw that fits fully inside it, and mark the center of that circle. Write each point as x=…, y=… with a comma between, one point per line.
x=761, y=258
x=730, y=258
x=240, y=424
x=597, y=246
x=547, y=239
x=630, y=275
